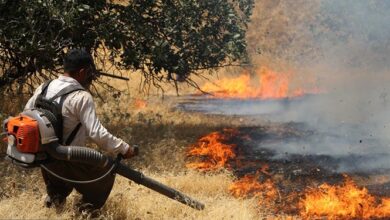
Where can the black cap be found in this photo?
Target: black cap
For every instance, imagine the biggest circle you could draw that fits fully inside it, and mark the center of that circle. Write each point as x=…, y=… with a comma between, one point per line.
x=77, y=59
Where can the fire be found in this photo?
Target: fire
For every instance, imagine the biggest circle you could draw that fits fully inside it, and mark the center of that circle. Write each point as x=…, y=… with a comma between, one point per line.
x=250, y=186
x=345, y=201
x=214, y=149
x=269, y=85
x=139, y=103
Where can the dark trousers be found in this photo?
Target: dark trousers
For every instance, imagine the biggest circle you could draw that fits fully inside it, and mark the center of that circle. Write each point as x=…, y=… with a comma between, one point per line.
x=95, y=193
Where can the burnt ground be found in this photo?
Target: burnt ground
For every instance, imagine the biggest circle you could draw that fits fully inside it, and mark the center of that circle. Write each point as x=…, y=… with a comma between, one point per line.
x=261, y=142
x=293, y=173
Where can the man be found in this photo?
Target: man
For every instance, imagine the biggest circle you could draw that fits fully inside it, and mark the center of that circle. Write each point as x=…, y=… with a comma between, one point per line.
x=79, y=122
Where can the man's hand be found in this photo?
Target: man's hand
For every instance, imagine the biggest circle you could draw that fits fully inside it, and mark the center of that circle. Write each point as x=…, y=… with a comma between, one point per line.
x=131, y=152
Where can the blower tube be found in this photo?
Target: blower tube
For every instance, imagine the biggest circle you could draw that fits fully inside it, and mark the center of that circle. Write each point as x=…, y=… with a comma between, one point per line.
x=79, y=154
x=95, y=158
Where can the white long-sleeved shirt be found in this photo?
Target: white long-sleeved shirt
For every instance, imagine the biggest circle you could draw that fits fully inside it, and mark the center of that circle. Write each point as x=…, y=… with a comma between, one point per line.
x=78, y=107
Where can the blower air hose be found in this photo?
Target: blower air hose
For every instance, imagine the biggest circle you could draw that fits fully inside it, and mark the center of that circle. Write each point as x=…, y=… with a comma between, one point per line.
x=79, y=154
x=95, y=158
x=82, y=155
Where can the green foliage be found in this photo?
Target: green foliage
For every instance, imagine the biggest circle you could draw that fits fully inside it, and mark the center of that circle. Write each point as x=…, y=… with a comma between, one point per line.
x=163, y=39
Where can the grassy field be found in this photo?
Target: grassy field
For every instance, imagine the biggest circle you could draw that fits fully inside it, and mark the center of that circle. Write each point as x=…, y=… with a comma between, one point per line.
x=164, y=135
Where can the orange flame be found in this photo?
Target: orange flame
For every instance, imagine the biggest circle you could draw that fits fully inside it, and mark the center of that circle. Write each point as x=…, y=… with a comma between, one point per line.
x=250, y=186
x=139, y=103
x=215, y=152
x=270, y=85
x=345, y=201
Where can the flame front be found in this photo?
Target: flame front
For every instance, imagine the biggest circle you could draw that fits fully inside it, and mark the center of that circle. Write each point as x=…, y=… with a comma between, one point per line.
x=345, y=201
x=268, y=85
x=214, y=150
x=250, y=186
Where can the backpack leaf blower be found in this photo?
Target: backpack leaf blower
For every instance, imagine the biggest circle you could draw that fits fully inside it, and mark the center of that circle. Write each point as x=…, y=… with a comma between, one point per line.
x=32, y=142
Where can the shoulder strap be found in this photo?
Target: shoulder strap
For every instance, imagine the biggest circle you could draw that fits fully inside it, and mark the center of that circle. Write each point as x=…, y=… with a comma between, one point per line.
x=63, y=94
x=72, y=135
x=66, y=91
x=44, y=88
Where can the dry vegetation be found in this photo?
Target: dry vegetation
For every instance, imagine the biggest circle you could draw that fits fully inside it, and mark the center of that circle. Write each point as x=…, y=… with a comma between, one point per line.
x=163, y=134
x=130, y=201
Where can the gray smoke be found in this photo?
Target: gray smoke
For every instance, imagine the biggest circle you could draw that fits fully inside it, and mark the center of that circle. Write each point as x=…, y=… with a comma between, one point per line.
x=352, y=119
x=350, y=61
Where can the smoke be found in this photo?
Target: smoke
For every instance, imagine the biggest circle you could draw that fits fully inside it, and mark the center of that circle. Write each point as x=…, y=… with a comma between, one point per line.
x=350, y=59
x=345, y=47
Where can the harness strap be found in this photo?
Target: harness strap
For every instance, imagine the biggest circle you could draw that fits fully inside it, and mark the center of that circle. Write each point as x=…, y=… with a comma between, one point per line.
x=66, y=91
x=72, y=135
x=63, y=94
x=44, y=88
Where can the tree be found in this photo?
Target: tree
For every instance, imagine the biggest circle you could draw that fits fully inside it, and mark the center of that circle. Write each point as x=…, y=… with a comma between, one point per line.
x=167, y=40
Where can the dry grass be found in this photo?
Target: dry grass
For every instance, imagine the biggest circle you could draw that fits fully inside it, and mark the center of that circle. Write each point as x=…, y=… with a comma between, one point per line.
x=163, y=135
x=130, y=201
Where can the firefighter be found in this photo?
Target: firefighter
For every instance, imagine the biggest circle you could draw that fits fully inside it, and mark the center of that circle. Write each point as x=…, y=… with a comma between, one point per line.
x=79, y=123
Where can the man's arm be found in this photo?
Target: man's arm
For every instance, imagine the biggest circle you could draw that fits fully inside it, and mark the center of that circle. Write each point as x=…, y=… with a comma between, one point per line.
x=96, y=131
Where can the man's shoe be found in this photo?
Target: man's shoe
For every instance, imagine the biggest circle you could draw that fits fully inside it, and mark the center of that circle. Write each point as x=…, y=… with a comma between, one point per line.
x=57, y=201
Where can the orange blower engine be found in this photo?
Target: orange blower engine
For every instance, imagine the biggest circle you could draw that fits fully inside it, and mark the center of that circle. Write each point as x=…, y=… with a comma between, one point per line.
x=27, y=134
